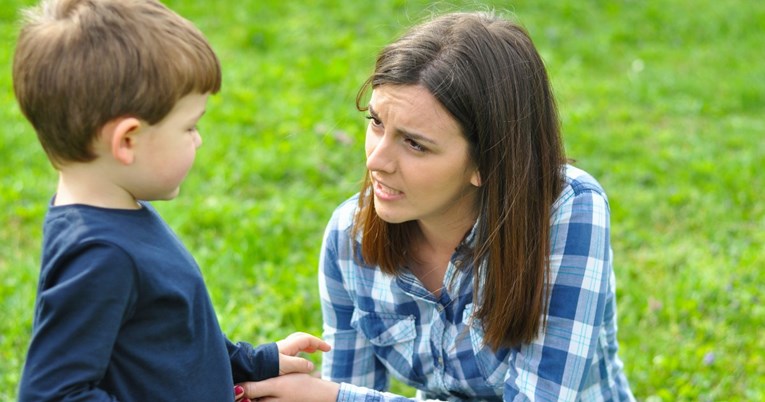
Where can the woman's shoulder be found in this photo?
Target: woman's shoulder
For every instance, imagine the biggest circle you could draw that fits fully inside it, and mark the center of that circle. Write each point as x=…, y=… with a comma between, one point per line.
x=577, y=181
x=578, y=184
x=343, y=215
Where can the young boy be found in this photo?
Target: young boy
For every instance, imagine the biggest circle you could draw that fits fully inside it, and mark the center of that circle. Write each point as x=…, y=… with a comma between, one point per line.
x=114, y=89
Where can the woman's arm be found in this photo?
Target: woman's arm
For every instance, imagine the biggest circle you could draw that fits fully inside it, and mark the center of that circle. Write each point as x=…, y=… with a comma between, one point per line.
x=555, y=365
x=350, y=370
x=304, y=388
x=351, y=362
x=352, y=359
x=292, y=388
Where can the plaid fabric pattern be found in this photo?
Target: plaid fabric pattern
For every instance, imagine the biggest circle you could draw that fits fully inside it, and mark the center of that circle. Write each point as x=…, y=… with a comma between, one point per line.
x=381, y=325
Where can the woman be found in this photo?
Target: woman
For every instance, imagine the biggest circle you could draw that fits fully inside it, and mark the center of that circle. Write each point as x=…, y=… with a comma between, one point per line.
x=475, y=264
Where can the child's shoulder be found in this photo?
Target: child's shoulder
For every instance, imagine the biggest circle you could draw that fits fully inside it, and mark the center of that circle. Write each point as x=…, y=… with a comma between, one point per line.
x=80, y=222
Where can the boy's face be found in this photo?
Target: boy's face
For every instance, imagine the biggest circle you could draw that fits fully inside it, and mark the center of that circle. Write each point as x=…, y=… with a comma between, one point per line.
x=165, y=155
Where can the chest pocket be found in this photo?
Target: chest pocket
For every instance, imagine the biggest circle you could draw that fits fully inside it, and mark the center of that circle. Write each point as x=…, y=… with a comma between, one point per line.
x=391, y=335
x=493, y=366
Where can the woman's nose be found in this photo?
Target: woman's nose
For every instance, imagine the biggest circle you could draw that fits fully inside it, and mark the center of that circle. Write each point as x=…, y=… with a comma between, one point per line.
x=379, y=154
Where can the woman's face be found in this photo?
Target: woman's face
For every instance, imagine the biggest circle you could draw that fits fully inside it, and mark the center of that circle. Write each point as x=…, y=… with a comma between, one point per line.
x=418, y=159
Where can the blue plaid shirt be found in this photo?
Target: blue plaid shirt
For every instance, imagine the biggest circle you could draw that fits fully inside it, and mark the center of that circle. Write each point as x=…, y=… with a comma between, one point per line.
x=381, y=325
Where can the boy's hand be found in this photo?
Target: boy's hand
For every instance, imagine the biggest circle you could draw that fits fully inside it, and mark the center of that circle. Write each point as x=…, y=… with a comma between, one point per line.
x=293, y=344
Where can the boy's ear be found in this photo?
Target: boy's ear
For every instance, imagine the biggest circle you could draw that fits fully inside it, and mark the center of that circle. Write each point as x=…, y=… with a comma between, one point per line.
x=121, y=135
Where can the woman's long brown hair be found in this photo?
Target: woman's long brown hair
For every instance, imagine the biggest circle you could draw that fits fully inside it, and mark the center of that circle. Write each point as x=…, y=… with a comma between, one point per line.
x=487, y=73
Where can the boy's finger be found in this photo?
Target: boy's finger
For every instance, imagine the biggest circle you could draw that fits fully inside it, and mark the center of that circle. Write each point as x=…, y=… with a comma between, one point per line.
x=313, y=344
x=292, y=364
x=301, y=342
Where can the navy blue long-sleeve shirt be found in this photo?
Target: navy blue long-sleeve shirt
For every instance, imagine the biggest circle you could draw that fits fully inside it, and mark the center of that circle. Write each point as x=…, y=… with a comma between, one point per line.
x=122, y=313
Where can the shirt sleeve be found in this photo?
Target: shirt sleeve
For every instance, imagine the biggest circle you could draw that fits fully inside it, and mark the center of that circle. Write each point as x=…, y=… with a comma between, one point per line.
x=81, y=305
x=554, y=366
x=352, y=359
x=250, y=363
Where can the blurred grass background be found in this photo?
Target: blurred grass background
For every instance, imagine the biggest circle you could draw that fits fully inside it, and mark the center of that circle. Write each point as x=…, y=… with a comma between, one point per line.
x=662, y=101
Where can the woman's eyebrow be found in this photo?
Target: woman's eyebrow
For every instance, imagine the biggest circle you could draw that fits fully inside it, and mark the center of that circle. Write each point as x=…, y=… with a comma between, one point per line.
x=406, y=133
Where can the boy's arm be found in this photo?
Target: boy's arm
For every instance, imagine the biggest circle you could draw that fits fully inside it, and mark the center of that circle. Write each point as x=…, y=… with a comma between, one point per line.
x=250, y=363
x=272, y=359
x=80, y=307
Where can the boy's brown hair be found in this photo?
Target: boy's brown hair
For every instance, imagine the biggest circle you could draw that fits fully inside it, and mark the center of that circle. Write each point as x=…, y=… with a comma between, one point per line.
x=81, y=63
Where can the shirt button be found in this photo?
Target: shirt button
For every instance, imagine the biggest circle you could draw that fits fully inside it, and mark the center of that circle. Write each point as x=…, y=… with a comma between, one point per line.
x=458, y=263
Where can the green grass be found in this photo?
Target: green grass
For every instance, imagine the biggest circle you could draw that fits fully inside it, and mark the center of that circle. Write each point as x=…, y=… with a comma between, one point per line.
x=661, y=100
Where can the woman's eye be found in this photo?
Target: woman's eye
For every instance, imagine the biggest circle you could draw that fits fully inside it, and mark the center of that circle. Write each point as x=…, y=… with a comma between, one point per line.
x=415, y=145
x=375, y=121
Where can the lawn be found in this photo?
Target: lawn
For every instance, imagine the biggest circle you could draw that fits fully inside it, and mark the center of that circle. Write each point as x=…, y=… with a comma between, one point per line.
x=662, y=101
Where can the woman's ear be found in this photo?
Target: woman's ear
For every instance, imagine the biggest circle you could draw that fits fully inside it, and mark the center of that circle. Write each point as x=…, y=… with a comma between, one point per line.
x=121, y=136
x=475, y=179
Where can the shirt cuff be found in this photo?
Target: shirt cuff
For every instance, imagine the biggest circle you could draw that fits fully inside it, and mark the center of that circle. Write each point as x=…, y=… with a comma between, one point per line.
x=353, y=393
x=266, y=359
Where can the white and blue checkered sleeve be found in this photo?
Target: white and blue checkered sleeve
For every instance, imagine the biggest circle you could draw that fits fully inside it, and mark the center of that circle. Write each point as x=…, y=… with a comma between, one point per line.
x=352, y=359
x=555, y=366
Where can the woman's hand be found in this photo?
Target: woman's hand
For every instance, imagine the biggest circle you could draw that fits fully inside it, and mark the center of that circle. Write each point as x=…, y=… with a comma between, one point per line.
x=291, y=388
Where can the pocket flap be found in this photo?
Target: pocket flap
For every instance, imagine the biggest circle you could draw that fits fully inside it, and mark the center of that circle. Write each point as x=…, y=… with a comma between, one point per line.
x=384, y=329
